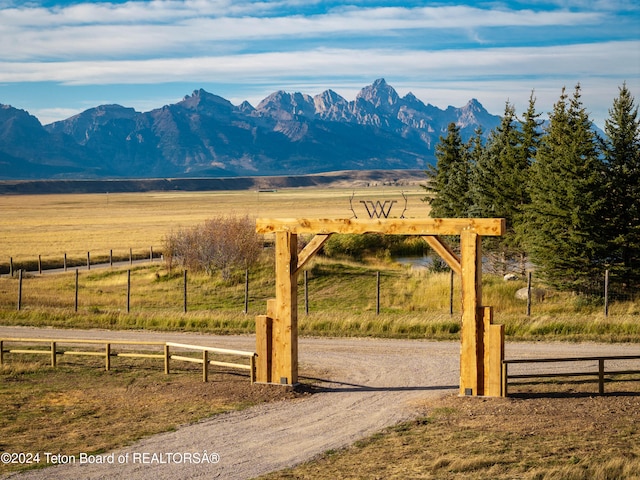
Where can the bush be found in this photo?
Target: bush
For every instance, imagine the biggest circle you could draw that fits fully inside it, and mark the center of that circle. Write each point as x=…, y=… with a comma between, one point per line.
x=221, y=243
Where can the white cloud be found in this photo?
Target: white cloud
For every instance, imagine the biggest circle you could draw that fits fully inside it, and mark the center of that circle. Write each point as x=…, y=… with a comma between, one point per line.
x=91, y=30
x=573, y=61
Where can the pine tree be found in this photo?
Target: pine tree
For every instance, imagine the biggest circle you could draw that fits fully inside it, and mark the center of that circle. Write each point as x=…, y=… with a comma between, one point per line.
x=448, y=185
x=494, y=175
x=531, y=135
x=622, y=154
x=500, y=180
x=563, y=220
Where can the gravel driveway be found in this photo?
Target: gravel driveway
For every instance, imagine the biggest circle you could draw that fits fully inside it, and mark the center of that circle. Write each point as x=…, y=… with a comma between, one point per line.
x=367, y=384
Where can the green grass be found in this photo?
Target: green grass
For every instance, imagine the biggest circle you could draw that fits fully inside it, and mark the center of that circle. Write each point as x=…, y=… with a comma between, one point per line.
x=342, y=302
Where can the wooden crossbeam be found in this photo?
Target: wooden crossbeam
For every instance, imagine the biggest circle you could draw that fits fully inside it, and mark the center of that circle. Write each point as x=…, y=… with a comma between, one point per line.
x=421, y=226
x=445, y=252
x=310, y=250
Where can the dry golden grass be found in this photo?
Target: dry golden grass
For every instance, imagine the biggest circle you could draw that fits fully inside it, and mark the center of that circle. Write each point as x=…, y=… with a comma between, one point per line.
x=50, y=225
x=80, y=408
x=548, y=435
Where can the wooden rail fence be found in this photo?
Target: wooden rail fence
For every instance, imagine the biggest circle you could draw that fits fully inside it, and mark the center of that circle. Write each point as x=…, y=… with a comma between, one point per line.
x=600, y=373
x=53, y=350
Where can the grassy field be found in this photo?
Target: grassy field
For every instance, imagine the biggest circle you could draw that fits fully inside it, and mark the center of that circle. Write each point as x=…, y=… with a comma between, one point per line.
x=50, y=225
x=342, y=301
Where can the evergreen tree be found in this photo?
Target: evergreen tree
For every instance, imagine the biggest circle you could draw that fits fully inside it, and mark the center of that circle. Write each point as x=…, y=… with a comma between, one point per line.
x=448, y=182
x=531, y=135
x=622, y=154
x=563, y=219
x=500, y=181
x=475, y=154
x=494, y=173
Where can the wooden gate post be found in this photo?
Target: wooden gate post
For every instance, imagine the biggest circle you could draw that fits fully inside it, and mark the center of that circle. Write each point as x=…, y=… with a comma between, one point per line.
x=482, y=342
x=264, y=343
x=284, y=365
x=471, y=355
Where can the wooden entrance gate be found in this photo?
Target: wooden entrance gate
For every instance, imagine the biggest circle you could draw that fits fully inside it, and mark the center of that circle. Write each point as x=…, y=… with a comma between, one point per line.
x=482, y=342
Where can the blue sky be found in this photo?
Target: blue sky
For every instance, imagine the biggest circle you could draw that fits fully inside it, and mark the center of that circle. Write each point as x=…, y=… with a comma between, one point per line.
x=59, y=58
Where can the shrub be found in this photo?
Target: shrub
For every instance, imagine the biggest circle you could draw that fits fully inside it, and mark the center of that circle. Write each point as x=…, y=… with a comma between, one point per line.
x=221, y=243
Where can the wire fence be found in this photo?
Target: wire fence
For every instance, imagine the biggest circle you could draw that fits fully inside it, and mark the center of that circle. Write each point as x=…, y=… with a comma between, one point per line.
x=64, y=262
x=118, y=289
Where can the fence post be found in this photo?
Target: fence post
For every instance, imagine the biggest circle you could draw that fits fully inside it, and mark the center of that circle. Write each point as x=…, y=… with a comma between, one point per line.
x=451, y=293
x=128, y=290
x=88, y=261
x=601, y=375
x=529, y=294
x=40, y=264
x=505, y=381
x=130, y=257
x=185, y=291
x=378, y=292
x=64, y=262
x=53, y=354
x=11, y=266
x=107, y=357
x=205, y=366
x=151, y=254
x=76, y=303
x=1, y=353
x=166, y=359
x=111, y=258
x=19, y=289
x=606, y=293
x=246, y=291
x=306, y=292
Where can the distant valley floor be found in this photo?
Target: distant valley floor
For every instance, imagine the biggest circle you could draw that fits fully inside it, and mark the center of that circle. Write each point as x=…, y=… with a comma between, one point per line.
x=343, y=179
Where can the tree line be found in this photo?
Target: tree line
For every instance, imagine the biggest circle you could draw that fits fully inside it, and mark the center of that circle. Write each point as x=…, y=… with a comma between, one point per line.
x=571, y=197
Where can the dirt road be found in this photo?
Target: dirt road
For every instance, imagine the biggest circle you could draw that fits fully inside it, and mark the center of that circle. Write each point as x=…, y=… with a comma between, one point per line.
x=368, y=384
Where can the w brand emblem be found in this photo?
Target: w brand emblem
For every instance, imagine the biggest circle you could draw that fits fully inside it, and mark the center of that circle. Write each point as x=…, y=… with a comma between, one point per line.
x=378, y=209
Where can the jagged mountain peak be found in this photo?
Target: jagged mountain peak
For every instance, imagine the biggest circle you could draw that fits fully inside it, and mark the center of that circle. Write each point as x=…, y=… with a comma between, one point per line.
x=328, y=98
x=331, y=106
x=380, y=94
x=474, y=105
x=246, y=107
x=104, y=112
x=202, y=99
x=286, y=106
x=412, y=101
x=15, y=123
x=473, y=114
